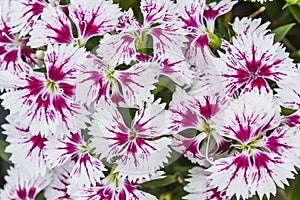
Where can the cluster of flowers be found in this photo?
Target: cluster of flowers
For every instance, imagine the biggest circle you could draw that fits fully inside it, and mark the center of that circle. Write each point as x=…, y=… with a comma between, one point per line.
x=67, y=130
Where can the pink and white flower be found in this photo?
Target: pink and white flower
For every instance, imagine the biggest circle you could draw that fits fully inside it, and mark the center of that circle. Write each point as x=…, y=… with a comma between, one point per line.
x=250, y=61
x=175, y=67
x=139, y=150
x=87, y=169
x=44, y=102
x=112, y=187
x=21, y=186
x=13, y=50
x=25, y=14
x=199, y=186
x=158, y=33
x=261, y=161
x=289, y=91
x=54, y=27
x=198, y=19
x=90, y=18
x=57, y=189
x=97, y=80
x=26, y=150
x=247, y=26
x=194, y=114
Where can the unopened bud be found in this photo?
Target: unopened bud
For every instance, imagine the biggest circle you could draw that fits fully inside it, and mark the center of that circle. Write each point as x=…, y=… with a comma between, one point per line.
x=215, y=41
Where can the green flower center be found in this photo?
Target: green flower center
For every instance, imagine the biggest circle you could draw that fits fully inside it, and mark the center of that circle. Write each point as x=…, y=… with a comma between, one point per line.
x=51, y=85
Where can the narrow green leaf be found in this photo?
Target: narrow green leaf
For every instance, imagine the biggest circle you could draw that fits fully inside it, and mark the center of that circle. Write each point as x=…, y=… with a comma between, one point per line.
x=281, y=31
x=42, y=70
x=161, y=182
x=295, y=10
x=3, y=155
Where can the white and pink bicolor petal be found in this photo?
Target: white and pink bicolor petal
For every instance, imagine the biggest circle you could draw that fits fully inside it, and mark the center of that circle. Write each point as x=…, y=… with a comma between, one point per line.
x=182, y=117
x=94, y=18
x=137, y=82
x=199, y=186
x=92, y=83
x=54, y=27
x=157, y=11
x=21, y=186
x=87, y=169
x=26, y=150
x=214, y=10
x=288, y=92
x=140, y=149
x=167, y=39
x=251, y=61
x=111, y=188
x=190, y=147
x=247, y=26
x=57, y=189
x=175, y=67
x=25, y=14
x=118, y=49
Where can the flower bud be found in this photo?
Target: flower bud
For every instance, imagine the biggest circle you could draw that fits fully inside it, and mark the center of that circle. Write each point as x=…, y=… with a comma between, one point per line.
x=215, y=41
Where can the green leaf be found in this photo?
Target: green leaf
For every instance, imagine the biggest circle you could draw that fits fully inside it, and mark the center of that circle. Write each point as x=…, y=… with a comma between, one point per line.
x=5, y=156
x=161, y=182
x=42, y=70
x=124, y=4
x=295, y=10
x=296, y=56
x=281, y=31
x=40, y=196
x=287, y=111
x=294, y=189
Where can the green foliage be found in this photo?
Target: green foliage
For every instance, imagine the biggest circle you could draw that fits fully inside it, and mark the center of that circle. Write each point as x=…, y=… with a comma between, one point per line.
x=281, y=31
x=3, y=155
x=295, y=10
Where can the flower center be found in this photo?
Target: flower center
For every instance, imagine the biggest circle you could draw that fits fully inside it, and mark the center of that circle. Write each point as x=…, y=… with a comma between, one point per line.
x=85, y=148
x=110, y=76
x=141, y=41
x=132, y=134
x=51, y=85
x=206, y=128
x=249, y=146
x=254, y=74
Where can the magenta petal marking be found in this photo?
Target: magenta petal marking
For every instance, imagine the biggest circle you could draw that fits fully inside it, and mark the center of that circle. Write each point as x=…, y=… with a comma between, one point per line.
x=292, y=120
x=261, y=161
x=242, y=163
x=208, y=108
x=191, y=147
x=37, y=142
x=31, y=192
x=22, y=193
x=275, y=143
x=185, y=119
